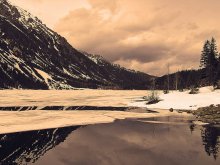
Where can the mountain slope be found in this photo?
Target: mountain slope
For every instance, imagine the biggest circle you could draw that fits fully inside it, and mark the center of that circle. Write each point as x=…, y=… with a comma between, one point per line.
x=34, y=57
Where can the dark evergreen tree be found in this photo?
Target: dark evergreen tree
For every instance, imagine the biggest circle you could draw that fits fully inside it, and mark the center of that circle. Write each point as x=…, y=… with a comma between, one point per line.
x=209, y=61
x=213, y=62
x=205, y=54
x=218, y=74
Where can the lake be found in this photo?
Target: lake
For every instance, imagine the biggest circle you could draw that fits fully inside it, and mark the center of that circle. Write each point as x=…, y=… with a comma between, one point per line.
x=153, y=141
x=104, y=137
x=69, y=97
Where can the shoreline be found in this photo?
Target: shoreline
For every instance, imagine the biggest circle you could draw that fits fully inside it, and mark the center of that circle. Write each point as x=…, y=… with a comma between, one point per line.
x=15, y=121
x=33, y=120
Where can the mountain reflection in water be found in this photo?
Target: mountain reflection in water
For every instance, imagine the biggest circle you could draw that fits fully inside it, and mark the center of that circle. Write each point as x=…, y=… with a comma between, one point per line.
x=24, y=147
x=130, y=142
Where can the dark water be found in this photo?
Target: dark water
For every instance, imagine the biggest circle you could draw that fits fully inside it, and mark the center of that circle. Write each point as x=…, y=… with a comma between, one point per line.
x=25, y=108
x=124, y=142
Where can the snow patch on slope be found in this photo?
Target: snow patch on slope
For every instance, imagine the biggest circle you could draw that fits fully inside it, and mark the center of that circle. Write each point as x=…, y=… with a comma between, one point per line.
x=93, y=58
x=45, y=76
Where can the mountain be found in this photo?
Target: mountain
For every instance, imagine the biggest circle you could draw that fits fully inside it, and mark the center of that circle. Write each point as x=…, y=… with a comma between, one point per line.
x=32, y=56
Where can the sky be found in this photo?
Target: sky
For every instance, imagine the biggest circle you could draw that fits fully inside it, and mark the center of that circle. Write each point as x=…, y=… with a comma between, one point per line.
x=144, y=35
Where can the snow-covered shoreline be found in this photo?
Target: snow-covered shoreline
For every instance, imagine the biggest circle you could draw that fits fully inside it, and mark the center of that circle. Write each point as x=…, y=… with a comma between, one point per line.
x=184, y=100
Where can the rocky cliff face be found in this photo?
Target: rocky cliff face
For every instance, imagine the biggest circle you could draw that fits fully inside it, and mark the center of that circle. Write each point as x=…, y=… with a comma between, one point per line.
x=32, y=56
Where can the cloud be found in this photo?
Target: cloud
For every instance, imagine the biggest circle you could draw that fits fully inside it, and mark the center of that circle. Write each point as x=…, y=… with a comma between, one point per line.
x=142, y=35
x=103, y=4
x=50, y=11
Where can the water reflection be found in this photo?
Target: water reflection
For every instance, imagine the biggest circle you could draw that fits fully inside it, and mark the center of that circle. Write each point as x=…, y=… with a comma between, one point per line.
x=192, y=127
x=27, y=108
x=21, y=148
x=130, y=142
x=211, y=140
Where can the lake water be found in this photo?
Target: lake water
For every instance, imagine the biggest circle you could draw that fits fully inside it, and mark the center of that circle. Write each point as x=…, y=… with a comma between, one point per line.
x=154, y=141
x=171, y=140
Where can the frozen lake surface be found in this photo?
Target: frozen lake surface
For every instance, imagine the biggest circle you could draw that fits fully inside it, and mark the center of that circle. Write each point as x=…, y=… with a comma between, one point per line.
x=69, y=97
x=62, y=99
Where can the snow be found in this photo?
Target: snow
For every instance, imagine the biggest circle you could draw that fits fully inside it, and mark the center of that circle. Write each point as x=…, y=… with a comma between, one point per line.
x=93, y=58
x=184, y=100
x=17, y=64
x=15, y=27
x=68, y=73
x=25, y=16
x=85, y=76
x=56, y=48
x=87, y=97
x=45, y=76
x=18, y=68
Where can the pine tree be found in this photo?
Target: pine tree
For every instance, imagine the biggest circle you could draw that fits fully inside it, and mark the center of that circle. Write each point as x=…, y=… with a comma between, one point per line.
x=209, y=60
x=205, y=54
x=218, y=74
x=213, y=62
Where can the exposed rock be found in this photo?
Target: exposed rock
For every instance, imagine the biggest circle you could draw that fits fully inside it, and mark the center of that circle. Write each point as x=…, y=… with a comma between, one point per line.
x=210, y=114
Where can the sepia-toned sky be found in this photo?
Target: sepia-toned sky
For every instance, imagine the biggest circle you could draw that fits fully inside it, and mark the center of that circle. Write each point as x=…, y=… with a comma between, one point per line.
x=144, y=35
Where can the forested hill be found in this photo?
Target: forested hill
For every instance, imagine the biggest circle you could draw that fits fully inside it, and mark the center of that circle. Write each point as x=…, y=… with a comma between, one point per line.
x=182, y=80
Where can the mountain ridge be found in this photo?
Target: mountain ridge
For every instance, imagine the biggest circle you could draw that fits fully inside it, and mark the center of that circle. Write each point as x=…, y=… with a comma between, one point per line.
x=32, y=56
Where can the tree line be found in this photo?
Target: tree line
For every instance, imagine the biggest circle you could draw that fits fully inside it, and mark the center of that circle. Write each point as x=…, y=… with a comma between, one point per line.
x=207, y=74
